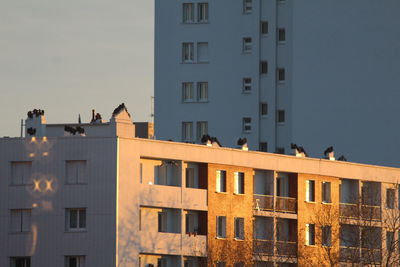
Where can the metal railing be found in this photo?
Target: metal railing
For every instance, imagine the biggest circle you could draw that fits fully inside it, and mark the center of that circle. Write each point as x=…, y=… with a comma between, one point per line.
x=349, y=254
x=286, y=204
x=356, y=211
x=263, y=202
x=264, y=247
x=286, y=248
x=371, y=255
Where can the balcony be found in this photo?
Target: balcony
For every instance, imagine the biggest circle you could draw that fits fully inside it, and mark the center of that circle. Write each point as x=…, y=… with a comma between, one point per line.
x=160, y=243
x=194, y=245
x=349, y=210
x=286, y=204
x=349, y=254
x=194, y=198
x=286, y=248
x=263, y=202
x=371, y=256
x=264, y=247
x=365, y=212
x=371, y=212
x=160, y=195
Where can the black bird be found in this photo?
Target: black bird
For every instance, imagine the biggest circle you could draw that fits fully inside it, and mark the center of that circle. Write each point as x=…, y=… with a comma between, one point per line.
x=31, y=131
x=328, y=150
x=242, y=141
x=205, y=138
x=342, y=158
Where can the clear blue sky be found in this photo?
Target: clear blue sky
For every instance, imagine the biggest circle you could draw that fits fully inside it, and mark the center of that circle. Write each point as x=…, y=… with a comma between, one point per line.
x=68, y=57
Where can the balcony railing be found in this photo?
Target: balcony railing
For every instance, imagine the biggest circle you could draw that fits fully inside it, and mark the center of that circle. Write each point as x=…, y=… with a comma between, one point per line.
x=286, y=204
x=350, y=254
x=263, y=202
x=264, y=247
x=286, y=248
x=349, y=210
x=371, y=256
x=355, y=211
x=371, y=212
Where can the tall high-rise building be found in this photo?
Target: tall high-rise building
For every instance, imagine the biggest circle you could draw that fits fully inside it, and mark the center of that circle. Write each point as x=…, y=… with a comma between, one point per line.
x=316, y=73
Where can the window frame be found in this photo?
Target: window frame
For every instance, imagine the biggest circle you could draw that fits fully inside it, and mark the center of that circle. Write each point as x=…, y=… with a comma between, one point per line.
x=247, y=85
x=220, y=181
x=281, y=35
x=24, y=220
x=77, y=180
x=247, y=45
x=199, y=125
x=390, y=203
x=247, y=6
x=310, y=191
x=188, y=52
x=246, y=125
x=26, y=259
x=263, y=109
x=207, y=59
x=199, y=12
x=280, y=116
x=80, y=260
x=326, y=198
x=23, y=180
x=281, y=75
x=239, y=183
x=239, y=228
x=310, y=234
x=188, y=86
x=192, y=19
x=185, y=130
x=80, y=212
x=202, y=87
x=264, y=25
x=326, y=232
x=221, y=229
x=263, y=67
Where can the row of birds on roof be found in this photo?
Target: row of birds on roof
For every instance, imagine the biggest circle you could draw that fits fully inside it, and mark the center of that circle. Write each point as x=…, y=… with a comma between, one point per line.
x=207, y=139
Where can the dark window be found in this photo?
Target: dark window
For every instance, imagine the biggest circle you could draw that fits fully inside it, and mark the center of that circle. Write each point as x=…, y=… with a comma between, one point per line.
x=263, y=109
x=263, y=67
x=246, y=124
x=281, y=35
x=264, y=27
x=281, y=116
x=263, y=146
x=280, y=150
x=327, y=235
x=390, y=198
x=281, y=74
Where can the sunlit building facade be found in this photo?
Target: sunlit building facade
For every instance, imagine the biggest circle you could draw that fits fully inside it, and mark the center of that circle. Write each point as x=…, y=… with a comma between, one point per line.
x=102, y=197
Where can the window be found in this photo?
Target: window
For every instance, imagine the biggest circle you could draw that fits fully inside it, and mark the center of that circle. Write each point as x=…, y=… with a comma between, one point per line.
x=161, y=262
x=264, y=27
x=221, y=226
x=202, y=52
x=239, y=228
x=239, y=182
x=280, y=150
x=190, y=177
x=310, y=234
x=202, y=91
x=20, y=220
x=221, y=181
x=390, y=242
x=187, y=52
x=281, y=116
x=263, y=109
x=390, y=198
x=187, y=131
x=246, y=85
x=188, y=13
x=74, y=261
x=189, y=263
x=281, y=35
x=76, y=171
x=202, y=10
x=247, y=6
x=247, y=45
x=239, y=264
x=263, y=67
x=326, y=192
x=75, y=219
x=202, y=129
x=246, y=125
x=189, y=223
x=20, y=262
x=21, y=173
x=310, y=190
x=263, y=146
x=162, y=221
x=187, y=92
x=326, y=235
x=281, y=74
x=221, y=264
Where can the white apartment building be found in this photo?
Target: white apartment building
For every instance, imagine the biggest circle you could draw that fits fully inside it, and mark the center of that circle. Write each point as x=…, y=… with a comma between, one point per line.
x=316, y=73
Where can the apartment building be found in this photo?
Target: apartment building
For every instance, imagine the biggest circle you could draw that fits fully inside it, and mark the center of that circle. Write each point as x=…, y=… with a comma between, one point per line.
x=102, y=197
x=316, y=73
